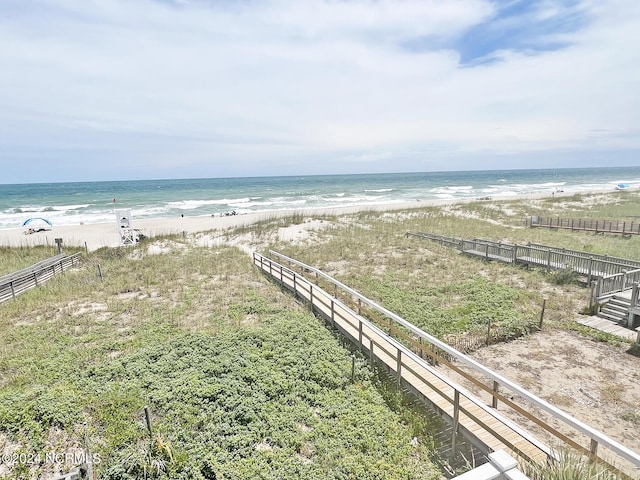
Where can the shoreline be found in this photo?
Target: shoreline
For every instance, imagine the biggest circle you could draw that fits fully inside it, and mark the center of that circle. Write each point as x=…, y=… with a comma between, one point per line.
x=98, y=235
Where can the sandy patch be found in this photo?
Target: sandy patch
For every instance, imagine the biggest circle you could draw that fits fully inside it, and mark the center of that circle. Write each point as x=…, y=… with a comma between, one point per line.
x=597, y=383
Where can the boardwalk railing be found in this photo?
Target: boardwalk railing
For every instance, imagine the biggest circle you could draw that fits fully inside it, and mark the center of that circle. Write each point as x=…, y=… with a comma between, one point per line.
x=611, y=274
x=619, y=282
x=19, y=282
x=587, y=224
x=408, y=351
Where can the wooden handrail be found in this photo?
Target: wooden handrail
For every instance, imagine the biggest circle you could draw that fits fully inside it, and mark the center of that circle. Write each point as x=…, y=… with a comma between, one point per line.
x=18, y=282
x=593, y=434
x=399, y=347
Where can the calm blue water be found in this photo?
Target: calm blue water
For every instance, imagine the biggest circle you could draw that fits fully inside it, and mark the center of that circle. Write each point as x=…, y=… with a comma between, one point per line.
x=92, y=202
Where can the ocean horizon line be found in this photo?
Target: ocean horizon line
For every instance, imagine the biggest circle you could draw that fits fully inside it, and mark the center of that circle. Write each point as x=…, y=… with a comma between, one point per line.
x=301, y=175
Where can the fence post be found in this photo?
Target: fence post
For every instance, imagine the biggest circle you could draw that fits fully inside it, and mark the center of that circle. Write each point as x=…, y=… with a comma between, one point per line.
x=399, y=366
x=89, y=462
x=548, y=259
x=148, y=420
x=544, y=304
x=353, y=367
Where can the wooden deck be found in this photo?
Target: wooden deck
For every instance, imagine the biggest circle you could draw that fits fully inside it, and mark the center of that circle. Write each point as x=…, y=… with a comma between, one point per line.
x=483, y=425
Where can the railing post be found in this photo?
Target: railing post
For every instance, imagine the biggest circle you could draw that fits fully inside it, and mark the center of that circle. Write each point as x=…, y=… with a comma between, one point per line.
x=35, y=278
x=371, y=351
x=456, y=420
x=593, y=448
x=635, y=294
x=295, y=287
x=548, y=259
x=360, y=333
x=494, y=399
x=399, y=366
x=333, y=321
x=311, y=295
x=13, y=291
x=590, y=270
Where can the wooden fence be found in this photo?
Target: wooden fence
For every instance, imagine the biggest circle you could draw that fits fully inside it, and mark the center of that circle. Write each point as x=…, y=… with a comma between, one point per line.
x=611, y=274
x=409, y=352
x=19, y=282
x=587, y=224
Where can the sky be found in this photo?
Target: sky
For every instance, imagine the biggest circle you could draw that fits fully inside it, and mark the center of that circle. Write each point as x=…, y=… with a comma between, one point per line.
x=145, y=89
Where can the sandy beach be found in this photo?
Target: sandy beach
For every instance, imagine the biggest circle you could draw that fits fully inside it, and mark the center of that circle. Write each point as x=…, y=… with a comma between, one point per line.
x=99, y=235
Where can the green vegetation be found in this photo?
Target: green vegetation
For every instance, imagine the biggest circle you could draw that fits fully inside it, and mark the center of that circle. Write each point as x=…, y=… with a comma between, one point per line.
x=240, y=381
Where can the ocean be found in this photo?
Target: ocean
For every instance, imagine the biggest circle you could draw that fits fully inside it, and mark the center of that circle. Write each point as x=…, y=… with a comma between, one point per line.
x=76, y=203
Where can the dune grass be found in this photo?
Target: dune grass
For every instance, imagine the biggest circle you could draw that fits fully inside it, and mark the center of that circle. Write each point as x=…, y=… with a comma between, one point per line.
x=241, y=381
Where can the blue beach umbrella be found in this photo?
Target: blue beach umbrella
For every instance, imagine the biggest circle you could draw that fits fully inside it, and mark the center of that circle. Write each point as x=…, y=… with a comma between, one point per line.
x=36, y=221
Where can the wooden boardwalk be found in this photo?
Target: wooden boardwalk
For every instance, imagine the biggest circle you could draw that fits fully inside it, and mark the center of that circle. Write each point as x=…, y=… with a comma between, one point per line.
x=483, y=425
x=621, y=227
x=612, y=275
x=19, y=282
x=608, y=326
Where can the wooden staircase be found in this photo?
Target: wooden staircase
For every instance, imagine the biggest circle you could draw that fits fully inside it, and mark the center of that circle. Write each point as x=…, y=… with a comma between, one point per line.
x=617, y=308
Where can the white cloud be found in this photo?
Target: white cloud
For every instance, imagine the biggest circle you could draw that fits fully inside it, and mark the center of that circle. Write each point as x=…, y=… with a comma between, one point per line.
x=275, y=80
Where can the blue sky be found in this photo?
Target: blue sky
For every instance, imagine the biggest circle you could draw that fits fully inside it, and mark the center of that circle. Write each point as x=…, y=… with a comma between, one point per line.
x=130, y=89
